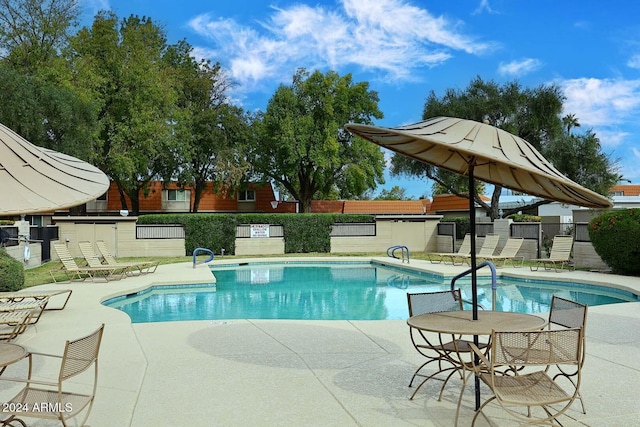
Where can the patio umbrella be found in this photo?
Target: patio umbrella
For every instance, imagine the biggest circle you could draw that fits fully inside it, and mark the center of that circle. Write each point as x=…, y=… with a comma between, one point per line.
x=485, y=152
x=35, y=179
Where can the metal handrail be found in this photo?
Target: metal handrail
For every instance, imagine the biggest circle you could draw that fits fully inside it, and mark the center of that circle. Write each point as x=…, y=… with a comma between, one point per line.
x=391, y=252
x=494, y=281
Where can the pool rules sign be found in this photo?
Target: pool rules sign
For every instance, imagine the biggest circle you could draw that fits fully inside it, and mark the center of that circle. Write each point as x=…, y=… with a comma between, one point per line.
x=259, y=230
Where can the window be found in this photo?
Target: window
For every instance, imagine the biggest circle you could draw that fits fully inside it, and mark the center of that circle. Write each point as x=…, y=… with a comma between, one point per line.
x=176, y=195
x=103, y=197
x=617, y=193
x=246, y=195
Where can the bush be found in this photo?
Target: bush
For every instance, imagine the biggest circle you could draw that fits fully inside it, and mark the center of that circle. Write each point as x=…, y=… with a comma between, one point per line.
x=463, y=225
x=615, y=236
x=303, y=233
x=525, y=218
x=11, y=273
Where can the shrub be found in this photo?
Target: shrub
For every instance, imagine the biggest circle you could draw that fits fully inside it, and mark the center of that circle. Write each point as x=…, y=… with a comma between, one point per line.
x=615, y=236
x=11, y=273
x=463, y=225
x=303, y=233
x=525, y=218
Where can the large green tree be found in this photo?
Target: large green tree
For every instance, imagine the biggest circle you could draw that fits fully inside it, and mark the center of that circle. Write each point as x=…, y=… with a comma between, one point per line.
x=213, y=133
x=123, y=64
x=581, y=159
x=38, y=96
x=302, y=144
x=533, y=114
x=32, y=32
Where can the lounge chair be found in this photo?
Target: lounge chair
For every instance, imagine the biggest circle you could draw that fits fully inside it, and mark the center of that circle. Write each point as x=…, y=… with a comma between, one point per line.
x=508, y=253
x=559, y=256
x=532, y=387
x=47, y=295
x=36, y=307
x=13, y=323
x=63, y=398
x=142, y=267
x=92, y=259
x=464, y=250
x=75, y=272
x=488, y=247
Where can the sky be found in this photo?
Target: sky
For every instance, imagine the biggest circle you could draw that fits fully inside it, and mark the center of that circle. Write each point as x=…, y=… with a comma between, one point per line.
x=407, y=48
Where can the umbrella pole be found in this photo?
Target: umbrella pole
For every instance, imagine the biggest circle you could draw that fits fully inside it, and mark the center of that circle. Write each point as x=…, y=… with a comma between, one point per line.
x=474, y=275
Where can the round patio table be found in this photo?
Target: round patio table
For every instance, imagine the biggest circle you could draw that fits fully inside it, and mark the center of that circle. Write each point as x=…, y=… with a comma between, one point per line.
x=11, y=353
x=462, y=323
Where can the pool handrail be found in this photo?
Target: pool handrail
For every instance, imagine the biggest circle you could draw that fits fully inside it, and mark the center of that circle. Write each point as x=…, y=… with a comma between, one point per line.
x=391, y=252
x=195, y=254
x=494, y=281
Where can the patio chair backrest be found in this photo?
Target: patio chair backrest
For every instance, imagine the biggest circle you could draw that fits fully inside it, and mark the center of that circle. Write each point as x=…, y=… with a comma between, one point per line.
x=80, y=354
x=104, y=251
x=561, y=248
x=86, y=248
x=65, y=256
x=537, y=348
x=465, y=246
x=567, y=313
x=434, y=302
x=489, y=245
x=511, y=247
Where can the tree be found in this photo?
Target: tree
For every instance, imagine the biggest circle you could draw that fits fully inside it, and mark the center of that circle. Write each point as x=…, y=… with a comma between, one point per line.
x=303, y=146
x=532, y=114
x=39, y=99
x=32, y=32
x=124, y=68
x=394, y=193
x=570, y=121
x=580, y=158
x=213, y=132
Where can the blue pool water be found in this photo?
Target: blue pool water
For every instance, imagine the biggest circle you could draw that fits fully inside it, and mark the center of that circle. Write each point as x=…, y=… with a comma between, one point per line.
x=335, y=291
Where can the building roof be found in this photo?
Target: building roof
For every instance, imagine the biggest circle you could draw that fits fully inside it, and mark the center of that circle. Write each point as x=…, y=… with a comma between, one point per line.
x=451, y=202
x=627, y=190
x=384, y=207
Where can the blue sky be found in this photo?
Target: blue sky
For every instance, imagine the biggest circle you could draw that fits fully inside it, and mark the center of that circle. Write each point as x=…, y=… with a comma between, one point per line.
x=405, y=49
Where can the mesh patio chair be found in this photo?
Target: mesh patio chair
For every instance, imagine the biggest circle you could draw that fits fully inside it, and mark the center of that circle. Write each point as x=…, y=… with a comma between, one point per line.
x=70, y=395
x=566, y=313
x=444, y=352
x=531, y=386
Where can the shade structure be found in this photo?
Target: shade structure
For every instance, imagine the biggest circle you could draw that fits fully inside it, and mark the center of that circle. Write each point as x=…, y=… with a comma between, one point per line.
x=35, y=179
x=481, y=151
x=498, y=157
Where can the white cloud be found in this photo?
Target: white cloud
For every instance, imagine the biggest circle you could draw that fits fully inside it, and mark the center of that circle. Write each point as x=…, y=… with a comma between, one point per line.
x=392, y=37
x=602, y=102
x=483, y=6
x=634, y=61
x=519, y=68
x=606, y=106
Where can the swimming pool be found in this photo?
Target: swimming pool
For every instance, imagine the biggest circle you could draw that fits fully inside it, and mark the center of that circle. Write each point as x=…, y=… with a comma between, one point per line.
x=335, y=291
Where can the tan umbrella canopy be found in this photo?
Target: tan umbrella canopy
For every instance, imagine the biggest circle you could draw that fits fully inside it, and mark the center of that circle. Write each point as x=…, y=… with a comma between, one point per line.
x=496, y=156
x=35, y=179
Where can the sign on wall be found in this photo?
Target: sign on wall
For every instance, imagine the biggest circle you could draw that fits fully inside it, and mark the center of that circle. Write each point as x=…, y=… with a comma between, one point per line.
x=259, y=230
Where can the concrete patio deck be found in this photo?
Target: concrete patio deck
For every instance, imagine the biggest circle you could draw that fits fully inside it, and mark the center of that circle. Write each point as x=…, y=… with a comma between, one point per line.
x=304, y=373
